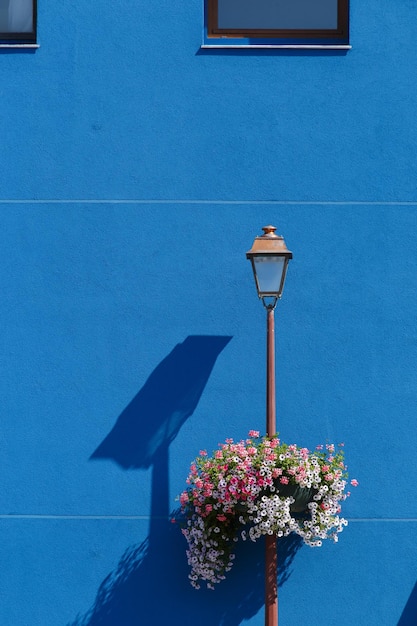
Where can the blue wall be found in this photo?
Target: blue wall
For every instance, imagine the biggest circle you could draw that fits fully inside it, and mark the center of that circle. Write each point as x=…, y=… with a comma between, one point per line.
x=135, y=173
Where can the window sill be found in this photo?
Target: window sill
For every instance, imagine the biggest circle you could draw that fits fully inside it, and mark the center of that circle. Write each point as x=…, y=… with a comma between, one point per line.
x=19, y=45
x=297, y=46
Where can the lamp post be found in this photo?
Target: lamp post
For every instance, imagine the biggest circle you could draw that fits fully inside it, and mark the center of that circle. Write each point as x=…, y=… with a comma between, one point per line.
x=269, y=257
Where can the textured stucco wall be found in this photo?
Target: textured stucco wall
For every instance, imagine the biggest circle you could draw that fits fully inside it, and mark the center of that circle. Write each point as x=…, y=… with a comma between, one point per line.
x=134, y=174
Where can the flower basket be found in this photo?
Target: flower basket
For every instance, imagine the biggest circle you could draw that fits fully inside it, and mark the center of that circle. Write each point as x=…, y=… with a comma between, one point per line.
x=302, y=496
x=256, y=487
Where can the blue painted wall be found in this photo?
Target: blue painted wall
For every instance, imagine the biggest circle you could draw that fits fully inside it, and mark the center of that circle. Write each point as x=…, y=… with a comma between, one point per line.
x=135, y=173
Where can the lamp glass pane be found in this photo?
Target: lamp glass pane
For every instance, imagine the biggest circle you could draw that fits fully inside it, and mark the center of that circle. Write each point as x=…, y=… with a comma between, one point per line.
x=269, y=273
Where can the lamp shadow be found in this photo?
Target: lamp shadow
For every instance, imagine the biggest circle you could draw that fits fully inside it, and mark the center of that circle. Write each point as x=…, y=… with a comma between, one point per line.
x=170, y=395
x=150, y=585
x=409, y=615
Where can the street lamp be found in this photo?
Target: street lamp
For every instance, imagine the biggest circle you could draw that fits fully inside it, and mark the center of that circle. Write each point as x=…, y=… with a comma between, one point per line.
x=269, y=257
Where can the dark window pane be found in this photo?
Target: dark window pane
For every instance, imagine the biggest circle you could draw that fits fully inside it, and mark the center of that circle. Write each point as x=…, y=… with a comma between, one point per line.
x=16, y=16
x=277, y=14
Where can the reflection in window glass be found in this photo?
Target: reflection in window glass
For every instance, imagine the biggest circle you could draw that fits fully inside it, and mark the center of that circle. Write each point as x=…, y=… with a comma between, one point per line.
x=277, y=14
x=16, y=17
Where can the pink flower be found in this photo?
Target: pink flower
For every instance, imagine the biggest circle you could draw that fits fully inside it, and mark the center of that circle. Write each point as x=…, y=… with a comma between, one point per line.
x=354, y=482
x=218, y=454
x=284, y=480
x=203, y=452
x=254, y=433
x=221, y=518
x=252, y=451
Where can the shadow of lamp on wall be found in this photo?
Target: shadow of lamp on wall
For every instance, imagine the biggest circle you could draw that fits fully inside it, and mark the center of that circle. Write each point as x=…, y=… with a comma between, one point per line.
x=150, y=587
x=145, y=429
x=154, y=417
x=150, y=584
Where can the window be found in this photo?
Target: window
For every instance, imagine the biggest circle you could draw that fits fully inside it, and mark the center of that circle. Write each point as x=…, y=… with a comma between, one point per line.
x=251, y=22
x=17, y=21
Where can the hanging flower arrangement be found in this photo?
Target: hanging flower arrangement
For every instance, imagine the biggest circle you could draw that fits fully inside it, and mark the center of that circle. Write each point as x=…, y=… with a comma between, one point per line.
x=260, y=486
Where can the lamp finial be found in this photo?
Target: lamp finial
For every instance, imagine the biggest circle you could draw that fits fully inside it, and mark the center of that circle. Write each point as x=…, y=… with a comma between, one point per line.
x=269, y=231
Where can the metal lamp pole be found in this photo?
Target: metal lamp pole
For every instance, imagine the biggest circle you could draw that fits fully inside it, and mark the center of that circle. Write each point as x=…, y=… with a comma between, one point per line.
x=271, y=559
x=269, y=257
